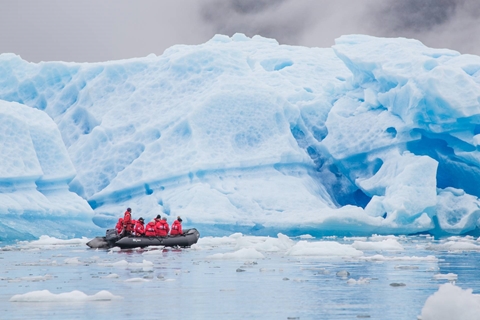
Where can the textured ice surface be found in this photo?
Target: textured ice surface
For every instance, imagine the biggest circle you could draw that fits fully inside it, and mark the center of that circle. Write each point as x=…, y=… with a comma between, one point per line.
x=373, y=135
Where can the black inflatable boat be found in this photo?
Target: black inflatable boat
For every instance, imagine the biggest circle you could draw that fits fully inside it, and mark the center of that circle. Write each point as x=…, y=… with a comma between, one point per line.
x=112, y=239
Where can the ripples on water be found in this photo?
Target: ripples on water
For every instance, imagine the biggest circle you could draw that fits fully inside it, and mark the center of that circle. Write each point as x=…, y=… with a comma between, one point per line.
x=173, y=283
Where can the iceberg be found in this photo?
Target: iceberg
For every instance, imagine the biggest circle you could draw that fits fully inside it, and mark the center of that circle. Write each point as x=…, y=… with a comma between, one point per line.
x=239, y=134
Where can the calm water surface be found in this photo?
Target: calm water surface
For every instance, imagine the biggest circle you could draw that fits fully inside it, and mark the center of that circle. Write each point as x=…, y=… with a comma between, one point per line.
x=185, y=283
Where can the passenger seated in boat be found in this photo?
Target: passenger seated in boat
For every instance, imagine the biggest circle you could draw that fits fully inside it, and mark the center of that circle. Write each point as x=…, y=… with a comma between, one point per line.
x=127, y=222
x=139, y=228
x=162, y=227
x=119, y=226
x=176, y=227
x=150, y=230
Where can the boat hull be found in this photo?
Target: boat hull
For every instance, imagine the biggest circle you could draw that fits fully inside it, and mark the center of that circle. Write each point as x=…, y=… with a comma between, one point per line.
x=189, y=237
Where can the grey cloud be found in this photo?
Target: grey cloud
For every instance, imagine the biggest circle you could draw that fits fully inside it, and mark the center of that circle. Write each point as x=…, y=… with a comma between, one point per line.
x=452, y=24
x=415, y=15
x=92, y=30
x=438, y=23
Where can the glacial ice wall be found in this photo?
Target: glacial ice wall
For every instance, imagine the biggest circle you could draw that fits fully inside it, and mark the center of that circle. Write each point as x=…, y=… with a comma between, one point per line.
x=373, y=135
x=35, y=170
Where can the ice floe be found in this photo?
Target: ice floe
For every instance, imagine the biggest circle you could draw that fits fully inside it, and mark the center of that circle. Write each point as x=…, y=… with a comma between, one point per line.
x=73, y=296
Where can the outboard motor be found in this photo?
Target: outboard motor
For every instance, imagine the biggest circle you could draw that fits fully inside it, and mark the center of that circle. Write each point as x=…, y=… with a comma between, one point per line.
x=111, y=235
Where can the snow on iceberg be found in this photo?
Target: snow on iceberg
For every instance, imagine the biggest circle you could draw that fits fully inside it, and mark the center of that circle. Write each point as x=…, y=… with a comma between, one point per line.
x=373, y=135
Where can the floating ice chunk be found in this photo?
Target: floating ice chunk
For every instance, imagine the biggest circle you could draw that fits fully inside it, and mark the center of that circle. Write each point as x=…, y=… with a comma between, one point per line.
x=73, y=296
x=387, y=244
x=379, y=257
x=342, y=273
x=218, y=241
x=196, y=247
x=242, y=254
x=323, y=249
x=448, y=276
x=461, y=238
x=354, y=238
x=121, y=263
x=32, y=278
x=376, y=237
x=143, y=264
x=249, y=242
x=317, y=270
x=51, y=242
x=361, y=280
x=267, y=244
x=73, y=260
x=306, y=236
x=112, y=276
x=126, y=264
x=451, y=302
x=454, y=246
x=332, y=237
x=137, y=280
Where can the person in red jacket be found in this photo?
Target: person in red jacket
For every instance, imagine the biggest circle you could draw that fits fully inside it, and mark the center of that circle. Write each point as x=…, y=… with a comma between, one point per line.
x=119, y=225
x=150, y=230
x=127, y=222
x=162, y=227
x=176, y=227
x=139, y=227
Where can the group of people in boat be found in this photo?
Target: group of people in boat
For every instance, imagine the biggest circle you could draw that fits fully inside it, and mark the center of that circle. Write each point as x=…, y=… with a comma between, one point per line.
x=158, y=227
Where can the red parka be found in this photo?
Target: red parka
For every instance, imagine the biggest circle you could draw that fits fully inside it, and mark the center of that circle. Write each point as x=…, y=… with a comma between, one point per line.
x=150, y=229
x=119, y=225
x=162, y=228
x=176, y=228
x=127, y=221
x=139, y=228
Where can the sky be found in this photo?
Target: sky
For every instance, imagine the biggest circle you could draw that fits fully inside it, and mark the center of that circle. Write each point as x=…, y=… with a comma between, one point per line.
x=94, y=30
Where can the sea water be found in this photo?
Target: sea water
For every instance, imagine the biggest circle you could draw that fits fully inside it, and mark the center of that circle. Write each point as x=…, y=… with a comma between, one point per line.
x=236, y=277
